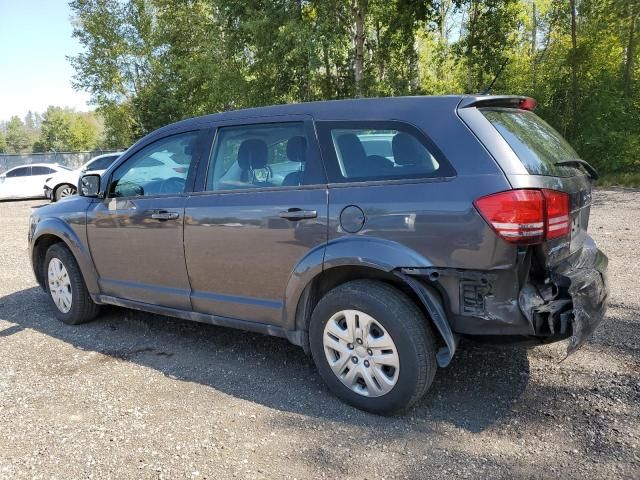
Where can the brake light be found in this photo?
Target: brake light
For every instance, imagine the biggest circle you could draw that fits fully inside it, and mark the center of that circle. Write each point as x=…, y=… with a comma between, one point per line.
x=528, y=104
x=526, y=216
x=180, y=169
x=557, y=213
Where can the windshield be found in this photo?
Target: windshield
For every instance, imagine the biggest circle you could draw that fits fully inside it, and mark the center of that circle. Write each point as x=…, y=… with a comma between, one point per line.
x=534, y=141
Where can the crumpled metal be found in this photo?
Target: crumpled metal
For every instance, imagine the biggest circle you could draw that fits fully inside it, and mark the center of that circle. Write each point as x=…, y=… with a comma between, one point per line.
x=586, y=275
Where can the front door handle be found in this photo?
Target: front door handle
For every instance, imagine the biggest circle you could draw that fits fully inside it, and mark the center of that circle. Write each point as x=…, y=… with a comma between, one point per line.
x=298, y=214
x=163, y=215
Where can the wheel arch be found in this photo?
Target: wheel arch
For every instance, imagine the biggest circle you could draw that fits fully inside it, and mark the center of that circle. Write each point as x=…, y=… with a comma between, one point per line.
x=378, y=260
x=51, y=231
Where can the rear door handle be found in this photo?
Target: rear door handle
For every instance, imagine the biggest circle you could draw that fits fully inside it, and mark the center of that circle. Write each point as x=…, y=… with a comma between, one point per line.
x=298, y=214
x=164, y=215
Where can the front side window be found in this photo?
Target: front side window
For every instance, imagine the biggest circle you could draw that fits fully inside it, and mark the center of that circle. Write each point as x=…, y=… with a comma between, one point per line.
x=19, y=172
x=261, y=156
x=158, y=169
x=369, y=151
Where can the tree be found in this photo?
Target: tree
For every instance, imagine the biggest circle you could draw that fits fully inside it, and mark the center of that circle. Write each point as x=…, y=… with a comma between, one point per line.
x=63, y=129
x=18, y=139
x=3, y=143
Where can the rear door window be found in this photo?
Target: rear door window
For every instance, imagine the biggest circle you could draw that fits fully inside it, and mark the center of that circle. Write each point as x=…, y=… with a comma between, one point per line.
x=370, y=151
x=538, y=146
x=41, y=170
x=263, y=156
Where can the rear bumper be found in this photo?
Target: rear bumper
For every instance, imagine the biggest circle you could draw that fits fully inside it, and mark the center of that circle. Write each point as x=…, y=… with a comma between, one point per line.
x=585, y=277
x=569, y=303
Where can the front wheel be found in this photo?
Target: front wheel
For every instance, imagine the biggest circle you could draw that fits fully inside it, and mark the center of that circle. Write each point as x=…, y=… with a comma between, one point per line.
x=66, y=288
x=63, y=191
x=373, y=346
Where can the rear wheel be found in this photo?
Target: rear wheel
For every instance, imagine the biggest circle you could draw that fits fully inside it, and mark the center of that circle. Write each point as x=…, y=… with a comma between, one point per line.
x=66, y=288
x=65, y=190
x=372, y=346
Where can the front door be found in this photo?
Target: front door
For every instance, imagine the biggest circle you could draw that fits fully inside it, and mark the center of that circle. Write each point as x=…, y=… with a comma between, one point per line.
x=135, y=233
x=16, y=182
x=262, y=209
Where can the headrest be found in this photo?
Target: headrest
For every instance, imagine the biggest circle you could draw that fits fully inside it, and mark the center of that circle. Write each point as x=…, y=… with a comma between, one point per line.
x=351, y=148
x=407, y=150
x=253, y=153
x=297, y=149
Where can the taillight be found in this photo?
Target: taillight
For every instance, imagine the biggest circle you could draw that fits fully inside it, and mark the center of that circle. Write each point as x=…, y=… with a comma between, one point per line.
x=526, y=216
x=557, y=213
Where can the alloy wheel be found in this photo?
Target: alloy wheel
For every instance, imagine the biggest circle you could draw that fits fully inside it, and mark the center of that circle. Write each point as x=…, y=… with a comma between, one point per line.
x=59, y=285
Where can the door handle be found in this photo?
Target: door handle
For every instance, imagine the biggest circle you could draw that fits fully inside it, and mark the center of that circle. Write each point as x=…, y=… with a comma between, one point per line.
x=298, y=214
x=163, y=215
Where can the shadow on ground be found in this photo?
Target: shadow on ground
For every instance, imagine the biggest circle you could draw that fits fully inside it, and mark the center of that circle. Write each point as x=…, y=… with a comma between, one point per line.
x=477, y=390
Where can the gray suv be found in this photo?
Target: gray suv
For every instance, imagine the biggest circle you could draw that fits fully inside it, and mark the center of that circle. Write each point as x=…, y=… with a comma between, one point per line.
x=373, y=233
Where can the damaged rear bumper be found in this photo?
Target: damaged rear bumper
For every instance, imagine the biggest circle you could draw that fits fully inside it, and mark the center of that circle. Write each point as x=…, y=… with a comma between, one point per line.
x=573, y=301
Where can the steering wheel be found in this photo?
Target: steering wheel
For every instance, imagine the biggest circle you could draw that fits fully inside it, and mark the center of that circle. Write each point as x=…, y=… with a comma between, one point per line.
x=173, y=185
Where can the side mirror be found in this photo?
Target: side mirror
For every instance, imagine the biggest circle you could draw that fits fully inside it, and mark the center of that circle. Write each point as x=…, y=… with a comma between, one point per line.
x=90, y=185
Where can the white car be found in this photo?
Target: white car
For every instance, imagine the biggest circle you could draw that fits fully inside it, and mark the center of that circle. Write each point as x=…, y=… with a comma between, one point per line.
x=65, y=183
x=26, y=181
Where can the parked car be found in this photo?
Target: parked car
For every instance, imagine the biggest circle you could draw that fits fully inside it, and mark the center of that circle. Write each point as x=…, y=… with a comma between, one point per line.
x=26, y=181
x=471, y=221
x=65, y=183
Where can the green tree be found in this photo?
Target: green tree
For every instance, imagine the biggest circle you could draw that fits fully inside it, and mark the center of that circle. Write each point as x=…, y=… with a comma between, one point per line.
x=3, y=143
x=63, y=129
x=17, y=138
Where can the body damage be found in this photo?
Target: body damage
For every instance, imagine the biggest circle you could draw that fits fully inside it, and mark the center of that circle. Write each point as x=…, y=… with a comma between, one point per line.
x=575, y=296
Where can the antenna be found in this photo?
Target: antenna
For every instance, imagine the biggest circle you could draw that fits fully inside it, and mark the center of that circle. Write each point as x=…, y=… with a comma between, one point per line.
x=487, y=90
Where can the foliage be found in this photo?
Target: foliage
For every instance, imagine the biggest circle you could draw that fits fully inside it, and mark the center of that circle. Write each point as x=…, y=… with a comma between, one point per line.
x=18, y=138
x=59, y=129
x=147, y=63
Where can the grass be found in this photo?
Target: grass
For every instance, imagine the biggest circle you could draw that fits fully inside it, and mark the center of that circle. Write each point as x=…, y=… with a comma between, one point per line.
x=629, y=179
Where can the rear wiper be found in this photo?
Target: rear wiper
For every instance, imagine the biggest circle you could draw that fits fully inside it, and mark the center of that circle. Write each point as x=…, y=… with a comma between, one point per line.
x=593, y=173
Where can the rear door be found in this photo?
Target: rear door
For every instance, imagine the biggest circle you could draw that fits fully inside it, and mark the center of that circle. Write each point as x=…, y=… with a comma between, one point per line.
x=261, y=209
x=39, y=175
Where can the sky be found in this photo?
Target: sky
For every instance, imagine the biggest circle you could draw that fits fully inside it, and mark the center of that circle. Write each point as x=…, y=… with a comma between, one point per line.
x=35, y=38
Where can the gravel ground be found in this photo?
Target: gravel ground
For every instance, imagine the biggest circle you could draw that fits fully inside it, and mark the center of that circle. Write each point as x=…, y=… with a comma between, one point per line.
x=133, y=395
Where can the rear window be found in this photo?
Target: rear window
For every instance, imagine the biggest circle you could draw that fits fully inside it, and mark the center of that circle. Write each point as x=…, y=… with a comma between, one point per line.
x=534, y=141
x=370, y=151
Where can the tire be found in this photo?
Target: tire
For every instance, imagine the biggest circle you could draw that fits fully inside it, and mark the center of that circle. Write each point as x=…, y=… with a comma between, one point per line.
x=76, y=307
x=387, y=311
x=64, y=190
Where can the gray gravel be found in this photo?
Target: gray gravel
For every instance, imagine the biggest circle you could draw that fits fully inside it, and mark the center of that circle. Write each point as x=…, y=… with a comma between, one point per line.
x=133, y=395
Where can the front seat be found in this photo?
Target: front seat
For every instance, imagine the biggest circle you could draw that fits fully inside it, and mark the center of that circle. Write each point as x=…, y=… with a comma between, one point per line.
x=296, y=152
x=252, y=154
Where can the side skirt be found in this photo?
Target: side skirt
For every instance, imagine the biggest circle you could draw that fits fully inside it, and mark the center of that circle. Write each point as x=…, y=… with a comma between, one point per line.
x=200, y=317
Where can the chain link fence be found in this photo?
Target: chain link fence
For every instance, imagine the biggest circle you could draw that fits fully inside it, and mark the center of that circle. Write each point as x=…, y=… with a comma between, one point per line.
x=69, y=159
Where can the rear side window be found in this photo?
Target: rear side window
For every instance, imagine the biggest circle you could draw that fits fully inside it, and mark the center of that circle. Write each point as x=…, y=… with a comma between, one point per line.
x=538, y=146
x=41, y=170
x=369, y=151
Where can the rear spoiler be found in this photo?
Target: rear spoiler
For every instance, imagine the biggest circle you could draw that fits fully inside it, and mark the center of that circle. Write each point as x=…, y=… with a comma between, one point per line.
x=506, y=101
